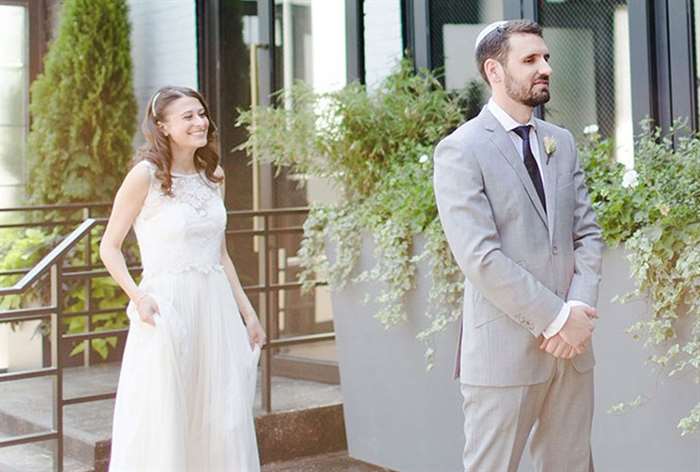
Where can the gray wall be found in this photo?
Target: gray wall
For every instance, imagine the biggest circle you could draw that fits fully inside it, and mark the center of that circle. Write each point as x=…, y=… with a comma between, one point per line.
x=403, y=418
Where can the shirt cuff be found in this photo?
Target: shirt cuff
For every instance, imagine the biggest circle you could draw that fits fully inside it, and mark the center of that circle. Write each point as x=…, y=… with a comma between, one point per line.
x=561, y=318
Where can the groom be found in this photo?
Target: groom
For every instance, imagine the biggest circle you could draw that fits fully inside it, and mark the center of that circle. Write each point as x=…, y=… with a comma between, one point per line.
x=515, y=210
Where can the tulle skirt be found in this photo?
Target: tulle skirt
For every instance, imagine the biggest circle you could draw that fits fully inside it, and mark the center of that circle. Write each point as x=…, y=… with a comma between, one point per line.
x=187, y=386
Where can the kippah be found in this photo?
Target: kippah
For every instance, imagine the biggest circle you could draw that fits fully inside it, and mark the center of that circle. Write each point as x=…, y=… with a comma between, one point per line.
x=485, y=32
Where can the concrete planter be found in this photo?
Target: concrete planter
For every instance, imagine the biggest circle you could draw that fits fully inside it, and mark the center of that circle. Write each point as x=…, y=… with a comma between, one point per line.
x=646, y=438
x=24, y=348
x=399, y=416
x=396, y=414
x=4, y=349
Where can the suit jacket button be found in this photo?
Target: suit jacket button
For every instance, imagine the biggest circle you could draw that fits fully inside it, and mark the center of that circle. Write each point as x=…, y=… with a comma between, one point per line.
x=555, y=250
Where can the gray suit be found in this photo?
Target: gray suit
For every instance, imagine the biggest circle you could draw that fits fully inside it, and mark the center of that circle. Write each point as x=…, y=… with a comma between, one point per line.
x=521, y=264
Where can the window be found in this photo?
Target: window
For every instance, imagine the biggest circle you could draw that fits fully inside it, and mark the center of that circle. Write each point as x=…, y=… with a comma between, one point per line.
x=591, y=83
x=454, y=27
x=383, y=39
x=14, y=100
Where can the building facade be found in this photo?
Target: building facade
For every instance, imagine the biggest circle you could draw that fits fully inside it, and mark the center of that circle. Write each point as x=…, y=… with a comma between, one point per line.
x=615, y=63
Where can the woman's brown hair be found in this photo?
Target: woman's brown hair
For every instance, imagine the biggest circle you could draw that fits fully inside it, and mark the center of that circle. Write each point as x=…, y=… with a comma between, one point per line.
x=157, y=147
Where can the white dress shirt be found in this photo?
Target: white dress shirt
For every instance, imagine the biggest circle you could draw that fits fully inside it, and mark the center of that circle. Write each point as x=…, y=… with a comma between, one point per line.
x=509, y=124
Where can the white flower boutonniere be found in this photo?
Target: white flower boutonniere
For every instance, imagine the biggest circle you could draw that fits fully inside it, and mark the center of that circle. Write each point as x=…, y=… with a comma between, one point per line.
x=550, y=147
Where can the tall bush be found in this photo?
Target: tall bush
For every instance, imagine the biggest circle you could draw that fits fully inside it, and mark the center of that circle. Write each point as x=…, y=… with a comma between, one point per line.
x=83, y=107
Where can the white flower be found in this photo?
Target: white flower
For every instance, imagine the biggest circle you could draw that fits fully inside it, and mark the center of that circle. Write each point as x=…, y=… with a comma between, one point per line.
x=423, y=159
x=629, y=178
x=550, y=145
x=590, y=129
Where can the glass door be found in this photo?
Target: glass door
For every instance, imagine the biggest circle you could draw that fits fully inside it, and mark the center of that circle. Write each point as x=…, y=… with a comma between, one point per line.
x=14, y=100
x=303, y=40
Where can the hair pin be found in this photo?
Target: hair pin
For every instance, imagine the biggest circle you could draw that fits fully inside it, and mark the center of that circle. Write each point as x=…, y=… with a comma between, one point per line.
x=153, y=104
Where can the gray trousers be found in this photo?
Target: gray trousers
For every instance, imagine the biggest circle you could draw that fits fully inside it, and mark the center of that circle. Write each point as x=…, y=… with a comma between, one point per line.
x=556, y=414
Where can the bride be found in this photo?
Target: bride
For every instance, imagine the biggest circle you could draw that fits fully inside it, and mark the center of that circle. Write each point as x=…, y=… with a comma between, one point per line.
x=187, y=382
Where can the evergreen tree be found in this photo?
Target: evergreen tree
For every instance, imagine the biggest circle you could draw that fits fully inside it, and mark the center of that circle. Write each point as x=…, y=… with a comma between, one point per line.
x=83, y=107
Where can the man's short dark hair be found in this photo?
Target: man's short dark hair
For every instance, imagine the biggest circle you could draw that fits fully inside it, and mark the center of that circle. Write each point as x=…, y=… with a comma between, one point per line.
x=496, y=45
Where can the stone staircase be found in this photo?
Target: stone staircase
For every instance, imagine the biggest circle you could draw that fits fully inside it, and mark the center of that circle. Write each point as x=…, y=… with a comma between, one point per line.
x=331, y=462
x=306, y=424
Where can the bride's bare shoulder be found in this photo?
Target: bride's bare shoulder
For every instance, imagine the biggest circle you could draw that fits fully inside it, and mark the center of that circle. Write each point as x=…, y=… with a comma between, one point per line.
x=138, y=179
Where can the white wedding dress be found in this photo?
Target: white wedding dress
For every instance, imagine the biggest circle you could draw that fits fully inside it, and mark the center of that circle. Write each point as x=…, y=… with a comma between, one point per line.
x=187, y=386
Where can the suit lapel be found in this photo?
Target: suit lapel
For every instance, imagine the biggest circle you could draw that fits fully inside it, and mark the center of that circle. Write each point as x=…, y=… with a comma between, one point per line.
x=500, y=139
x=549, y=170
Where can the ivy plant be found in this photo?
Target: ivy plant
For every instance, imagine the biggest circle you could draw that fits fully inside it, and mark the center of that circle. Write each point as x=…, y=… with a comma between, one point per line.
x=655, y=216
x=375, y=149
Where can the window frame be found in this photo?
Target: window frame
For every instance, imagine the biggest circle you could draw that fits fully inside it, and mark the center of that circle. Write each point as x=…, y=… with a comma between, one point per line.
x=36, y=34
x=662, y=59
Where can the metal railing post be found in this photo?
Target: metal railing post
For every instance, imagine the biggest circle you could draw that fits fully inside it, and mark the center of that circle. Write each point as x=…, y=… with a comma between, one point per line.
x=267, y=353
x=52, y=265
x=88, y=290
x=56, y=353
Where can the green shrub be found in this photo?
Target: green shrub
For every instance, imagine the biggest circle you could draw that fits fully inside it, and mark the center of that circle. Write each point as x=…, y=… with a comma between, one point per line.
x=24, y=248
x=82, y=106
x=83, y=114
x=376, y=150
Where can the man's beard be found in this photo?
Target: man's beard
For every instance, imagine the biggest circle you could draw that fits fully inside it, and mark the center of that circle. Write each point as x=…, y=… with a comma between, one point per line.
x=524, y=94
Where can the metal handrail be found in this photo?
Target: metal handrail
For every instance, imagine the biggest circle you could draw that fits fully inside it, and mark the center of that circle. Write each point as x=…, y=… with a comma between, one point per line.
x=57, y=206
x=53, y=263
x=82, y=206
x=50, y=259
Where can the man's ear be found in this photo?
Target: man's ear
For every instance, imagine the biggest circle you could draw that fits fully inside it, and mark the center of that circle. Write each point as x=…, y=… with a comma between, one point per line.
x=493, y=70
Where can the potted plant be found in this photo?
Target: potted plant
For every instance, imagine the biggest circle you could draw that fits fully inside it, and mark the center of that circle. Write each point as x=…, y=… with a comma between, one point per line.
x=384, y=244
x=647, y=340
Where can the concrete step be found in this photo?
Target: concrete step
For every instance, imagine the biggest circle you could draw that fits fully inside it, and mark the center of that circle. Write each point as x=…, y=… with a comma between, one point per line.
x=26, y=406
x=332, y=462
x=36, y=458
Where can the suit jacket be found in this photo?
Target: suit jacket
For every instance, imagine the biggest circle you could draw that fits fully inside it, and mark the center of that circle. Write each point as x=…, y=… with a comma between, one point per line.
x=521, y=263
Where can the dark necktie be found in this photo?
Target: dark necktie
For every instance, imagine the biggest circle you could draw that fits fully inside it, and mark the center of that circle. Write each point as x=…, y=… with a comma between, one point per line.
x=531, y=163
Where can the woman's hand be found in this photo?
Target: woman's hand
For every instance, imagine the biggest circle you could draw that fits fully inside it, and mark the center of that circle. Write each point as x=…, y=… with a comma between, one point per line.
x=256, y=334
x=147, y=308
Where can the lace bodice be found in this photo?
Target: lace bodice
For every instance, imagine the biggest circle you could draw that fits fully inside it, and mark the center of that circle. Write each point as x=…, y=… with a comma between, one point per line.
x=183, y=231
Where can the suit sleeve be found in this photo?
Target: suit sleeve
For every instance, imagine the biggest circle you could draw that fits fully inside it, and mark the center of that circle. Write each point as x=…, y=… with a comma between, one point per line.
x=468, y=222
x=588, y=241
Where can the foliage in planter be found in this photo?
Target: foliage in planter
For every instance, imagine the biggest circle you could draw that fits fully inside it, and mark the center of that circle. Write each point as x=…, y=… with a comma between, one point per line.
x=25, y=248
x=657, y=219
x=83, y=107
x=376, y=150
x=370, y=147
